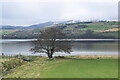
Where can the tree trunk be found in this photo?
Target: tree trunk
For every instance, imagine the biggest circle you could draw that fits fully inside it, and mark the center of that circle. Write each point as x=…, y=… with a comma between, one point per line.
x=49, y=55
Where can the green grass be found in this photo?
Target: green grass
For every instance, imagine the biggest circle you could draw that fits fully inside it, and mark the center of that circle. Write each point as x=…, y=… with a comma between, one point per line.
x=67, y=68
x=104, y=68
x=98, y=26
x=7, y=31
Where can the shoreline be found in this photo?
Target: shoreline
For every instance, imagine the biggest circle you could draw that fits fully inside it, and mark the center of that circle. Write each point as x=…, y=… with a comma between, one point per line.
x=82, y=56
x=61, y=40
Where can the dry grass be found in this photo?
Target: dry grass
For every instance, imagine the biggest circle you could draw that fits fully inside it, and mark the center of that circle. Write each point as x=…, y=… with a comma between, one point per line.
x=2, y=60
x=110, y=30
x=96, y=56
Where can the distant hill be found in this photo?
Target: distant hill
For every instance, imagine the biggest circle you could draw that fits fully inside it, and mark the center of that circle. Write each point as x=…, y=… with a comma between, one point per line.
x=6, y=27
x=75, y=30
x=41, y=25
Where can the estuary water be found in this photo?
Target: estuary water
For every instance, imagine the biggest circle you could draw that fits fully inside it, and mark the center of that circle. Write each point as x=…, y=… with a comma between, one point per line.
x=80, y=47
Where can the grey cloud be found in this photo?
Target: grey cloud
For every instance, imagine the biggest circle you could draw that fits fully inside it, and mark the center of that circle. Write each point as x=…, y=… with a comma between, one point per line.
x=24, y=13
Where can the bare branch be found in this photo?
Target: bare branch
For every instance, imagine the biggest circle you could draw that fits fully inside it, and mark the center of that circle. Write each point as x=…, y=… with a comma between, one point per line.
x=47, y=42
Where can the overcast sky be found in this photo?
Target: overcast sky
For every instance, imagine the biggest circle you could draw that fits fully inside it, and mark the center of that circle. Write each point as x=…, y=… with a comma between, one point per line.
x=24, y=12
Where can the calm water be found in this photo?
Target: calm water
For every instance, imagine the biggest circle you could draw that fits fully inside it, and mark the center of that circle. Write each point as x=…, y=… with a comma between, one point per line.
x=14, y=47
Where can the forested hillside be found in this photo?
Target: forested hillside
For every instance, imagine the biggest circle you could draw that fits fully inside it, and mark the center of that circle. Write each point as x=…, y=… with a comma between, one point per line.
x=79, y=30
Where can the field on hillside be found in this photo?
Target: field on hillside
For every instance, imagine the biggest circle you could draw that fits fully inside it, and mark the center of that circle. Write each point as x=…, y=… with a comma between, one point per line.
x=97, y=26
x=74, y=30
x=67, y=68
x=7, y=31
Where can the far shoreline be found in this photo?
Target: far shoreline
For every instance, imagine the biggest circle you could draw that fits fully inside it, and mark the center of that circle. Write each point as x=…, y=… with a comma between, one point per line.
x=75, y=40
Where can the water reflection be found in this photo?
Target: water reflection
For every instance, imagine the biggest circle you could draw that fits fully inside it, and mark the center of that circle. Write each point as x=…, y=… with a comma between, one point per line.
x=79, y=48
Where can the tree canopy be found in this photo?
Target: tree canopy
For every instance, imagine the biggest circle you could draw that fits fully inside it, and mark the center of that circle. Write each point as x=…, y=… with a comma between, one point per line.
x=49, y=42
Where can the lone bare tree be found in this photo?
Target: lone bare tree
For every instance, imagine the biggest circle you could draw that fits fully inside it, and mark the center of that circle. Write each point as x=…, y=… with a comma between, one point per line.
x=49, y=42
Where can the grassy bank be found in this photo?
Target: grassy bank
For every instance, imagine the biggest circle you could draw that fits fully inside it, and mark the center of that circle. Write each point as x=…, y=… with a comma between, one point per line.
x=104, y=68
x=67, y=68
